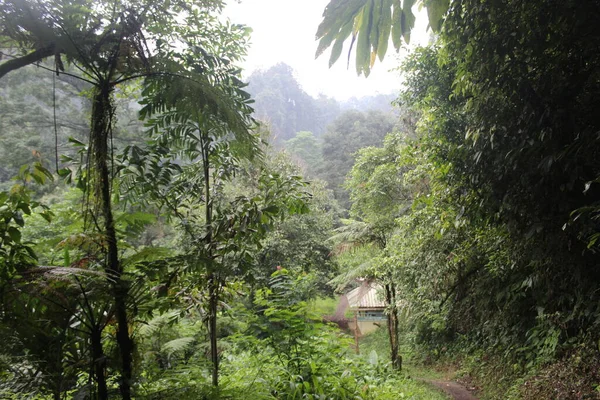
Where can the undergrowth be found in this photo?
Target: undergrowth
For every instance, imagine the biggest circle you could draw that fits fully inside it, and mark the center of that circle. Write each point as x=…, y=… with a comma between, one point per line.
x=575, y=375
x=282, y=351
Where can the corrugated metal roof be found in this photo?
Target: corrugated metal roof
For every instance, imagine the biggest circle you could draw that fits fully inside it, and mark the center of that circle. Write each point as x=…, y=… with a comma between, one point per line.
x=367, y=295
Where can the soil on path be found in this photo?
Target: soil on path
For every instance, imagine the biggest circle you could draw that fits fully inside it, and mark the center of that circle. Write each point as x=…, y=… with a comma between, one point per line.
x=457, y=391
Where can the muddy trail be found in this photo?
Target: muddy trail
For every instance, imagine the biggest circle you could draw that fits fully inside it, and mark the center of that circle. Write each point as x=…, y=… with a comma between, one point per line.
x=454, y=389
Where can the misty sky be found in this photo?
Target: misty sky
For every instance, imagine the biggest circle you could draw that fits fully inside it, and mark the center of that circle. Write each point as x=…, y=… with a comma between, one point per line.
x=284, y=31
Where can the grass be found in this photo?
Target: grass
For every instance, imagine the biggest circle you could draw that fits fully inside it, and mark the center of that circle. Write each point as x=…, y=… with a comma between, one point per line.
x=324, y=306
x=409, y=381
x=413, y=386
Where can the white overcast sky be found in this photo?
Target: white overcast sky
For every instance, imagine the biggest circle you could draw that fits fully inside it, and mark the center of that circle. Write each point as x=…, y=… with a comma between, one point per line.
x=284, y=31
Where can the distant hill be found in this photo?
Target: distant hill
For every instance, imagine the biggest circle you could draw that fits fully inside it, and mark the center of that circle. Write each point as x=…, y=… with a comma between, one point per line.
x=281, y=102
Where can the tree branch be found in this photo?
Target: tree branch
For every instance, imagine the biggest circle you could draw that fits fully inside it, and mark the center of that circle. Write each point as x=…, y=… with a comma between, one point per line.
x=34, y=56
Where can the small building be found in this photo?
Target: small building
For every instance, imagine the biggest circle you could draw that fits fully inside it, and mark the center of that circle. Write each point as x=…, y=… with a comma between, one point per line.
x=367, y=305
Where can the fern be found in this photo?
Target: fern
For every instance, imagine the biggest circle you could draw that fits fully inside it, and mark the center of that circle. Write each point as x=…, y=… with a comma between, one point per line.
x=177, y=345
x=157, y=323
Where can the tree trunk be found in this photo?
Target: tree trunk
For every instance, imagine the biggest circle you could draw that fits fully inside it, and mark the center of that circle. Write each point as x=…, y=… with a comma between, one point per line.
x=102, y=113
x=392, y=322
x=99, y=361
x=212, y=327
x=356, y=341
x=213, y=281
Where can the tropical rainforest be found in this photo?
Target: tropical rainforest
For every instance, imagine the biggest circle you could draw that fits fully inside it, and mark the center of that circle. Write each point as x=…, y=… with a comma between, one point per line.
x=172, y=229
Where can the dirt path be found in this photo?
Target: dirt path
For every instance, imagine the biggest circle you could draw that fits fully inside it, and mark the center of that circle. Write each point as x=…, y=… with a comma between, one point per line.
x=457, y=391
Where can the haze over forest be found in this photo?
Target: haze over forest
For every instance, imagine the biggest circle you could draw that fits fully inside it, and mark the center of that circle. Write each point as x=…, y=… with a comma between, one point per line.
x=283, y=31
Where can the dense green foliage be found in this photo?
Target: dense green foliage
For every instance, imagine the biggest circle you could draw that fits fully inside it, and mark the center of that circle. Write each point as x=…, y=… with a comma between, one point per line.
x=516, y=186
x=350, y=132
x=497, y=254
x=174, y=254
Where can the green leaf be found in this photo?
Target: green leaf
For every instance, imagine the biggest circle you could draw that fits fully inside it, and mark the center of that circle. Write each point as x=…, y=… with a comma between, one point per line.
x=177, y=345
x=23, y=206
x=19, y=219
x=435, y=11
x=397, y=25
x=385, y=28
x=14, y=234
x=336, y=50
x=64, y=172
x=30, y=252
x=23, y=170
x=363, y=45
x=76, y=142
x=337, y=13
x=273, y=209
x=407, y=20
x=44, y=171
x=375, y=26
x=325, y=42
x=40, y=174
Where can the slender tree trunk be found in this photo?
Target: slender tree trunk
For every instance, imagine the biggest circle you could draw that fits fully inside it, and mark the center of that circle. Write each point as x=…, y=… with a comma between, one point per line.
x=392, y=322
x=99, y=361
x=356, y=341
x=102, y=113
x=212, y=328
x=213, y=280
x=59, y=369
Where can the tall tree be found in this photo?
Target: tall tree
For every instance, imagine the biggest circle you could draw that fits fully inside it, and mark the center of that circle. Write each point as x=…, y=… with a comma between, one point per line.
x=224, y=238
x=379, y=196
x=305, y=150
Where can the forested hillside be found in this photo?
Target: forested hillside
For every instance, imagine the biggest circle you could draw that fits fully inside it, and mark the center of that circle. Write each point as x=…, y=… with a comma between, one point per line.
x=281, y=103
x=169, y=231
